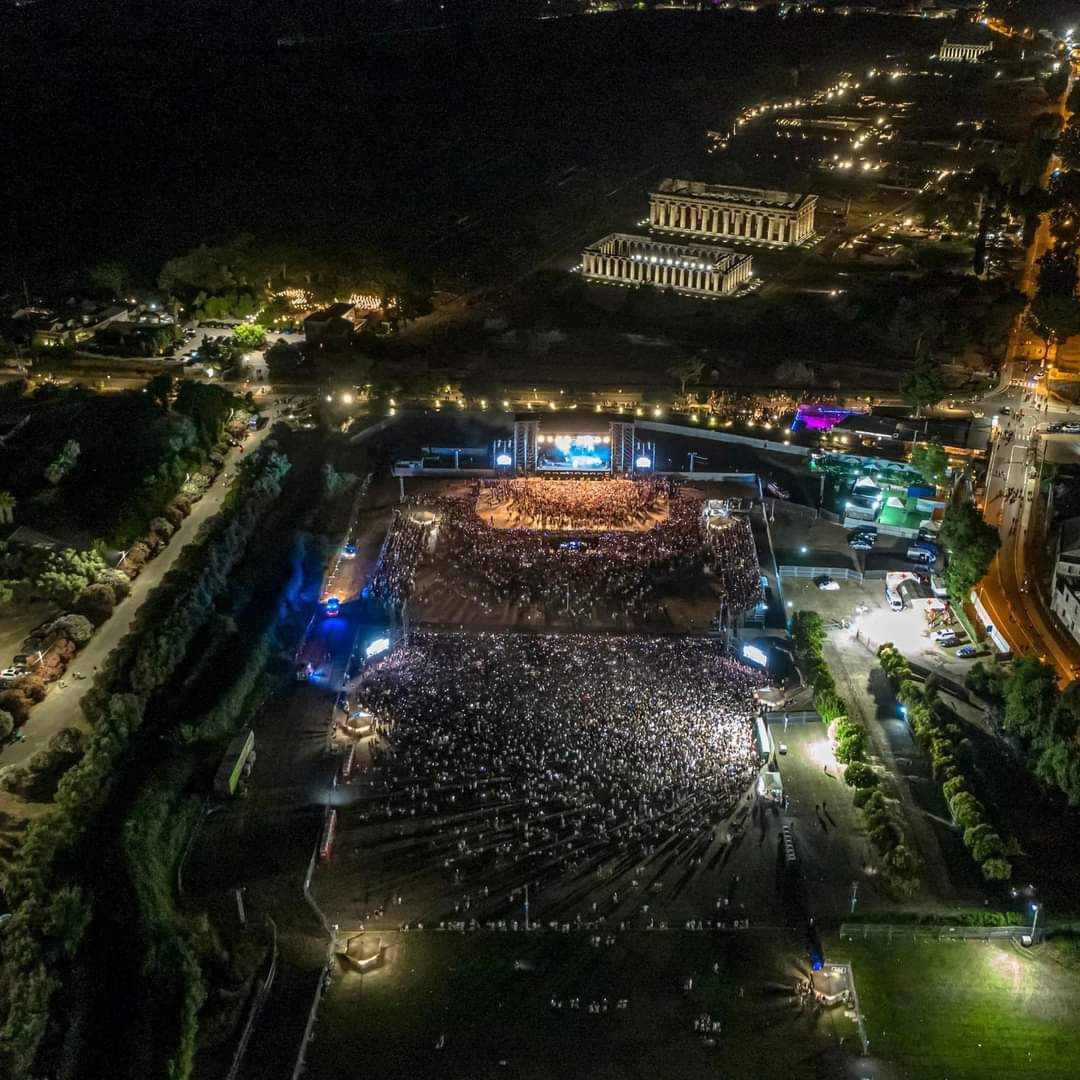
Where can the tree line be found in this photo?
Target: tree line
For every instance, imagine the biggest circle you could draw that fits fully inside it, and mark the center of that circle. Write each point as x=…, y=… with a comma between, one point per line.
x=951, y=765
x=45, y=882
x=1042, y=717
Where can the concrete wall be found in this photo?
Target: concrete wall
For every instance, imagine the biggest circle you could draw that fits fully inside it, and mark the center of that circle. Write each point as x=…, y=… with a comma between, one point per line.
x=697, y=432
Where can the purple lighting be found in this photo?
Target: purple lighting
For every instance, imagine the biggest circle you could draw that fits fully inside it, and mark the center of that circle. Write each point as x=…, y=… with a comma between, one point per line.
x=820, y=417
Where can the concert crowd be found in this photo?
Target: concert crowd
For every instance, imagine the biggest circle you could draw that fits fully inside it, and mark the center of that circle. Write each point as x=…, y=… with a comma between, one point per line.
x=553, y=571
x=597, y=503
x=544, y=756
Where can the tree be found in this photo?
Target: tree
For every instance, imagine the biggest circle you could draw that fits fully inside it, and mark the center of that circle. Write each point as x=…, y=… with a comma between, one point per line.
x=997, y=870
x=7, y=725
x=860, y=775
x=1057, y=272
x=283, y=360
x=1053, y=318
x=1031, y=699
x=63, y=463
x=108, y=280
x=1068, y=146
x=8, y=502
x=685, y=371
x=95, y=603
x=248, y=336
x=923, y=385
x=972, y=545
x=160, y=389
x=931, y=460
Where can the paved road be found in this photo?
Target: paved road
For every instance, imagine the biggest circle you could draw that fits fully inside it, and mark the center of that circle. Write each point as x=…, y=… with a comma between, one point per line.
x=61, y=707
x=1009, y=590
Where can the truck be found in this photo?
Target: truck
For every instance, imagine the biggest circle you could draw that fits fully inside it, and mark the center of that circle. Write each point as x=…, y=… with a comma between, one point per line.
x=310, y=657
x=236, y=764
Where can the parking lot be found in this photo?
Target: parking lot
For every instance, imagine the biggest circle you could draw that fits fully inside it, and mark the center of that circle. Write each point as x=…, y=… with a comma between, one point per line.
x=864, y=609
x=191, y=344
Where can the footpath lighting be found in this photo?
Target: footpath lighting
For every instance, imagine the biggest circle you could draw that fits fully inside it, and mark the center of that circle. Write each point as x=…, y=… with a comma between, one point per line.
x=347, y=398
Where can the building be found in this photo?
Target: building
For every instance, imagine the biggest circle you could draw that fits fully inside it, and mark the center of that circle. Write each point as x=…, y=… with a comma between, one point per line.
x=1065, y=585
x=894, y=436
x=333, y=324
x=72, y=324
x=962, y=52
x=694, y=269
x=722, y=212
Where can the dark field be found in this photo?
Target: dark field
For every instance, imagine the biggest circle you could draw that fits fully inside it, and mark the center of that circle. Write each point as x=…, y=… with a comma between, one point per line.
x=462, y=148
x=490, y=996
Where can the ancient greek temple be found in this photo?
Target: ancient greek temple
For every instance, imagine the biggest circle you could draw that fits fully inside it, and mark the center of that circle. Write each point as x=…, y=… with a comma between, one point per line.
x=965, y=53
x=721, y=212
x=694, y=269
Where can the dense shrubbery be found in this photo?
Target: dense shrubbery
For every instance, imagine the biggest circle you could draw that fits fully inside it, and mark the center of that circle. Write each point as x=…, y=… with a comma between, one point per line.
x=50, y=912
x=1044, y=718
x=883, y=823
x=940, y=739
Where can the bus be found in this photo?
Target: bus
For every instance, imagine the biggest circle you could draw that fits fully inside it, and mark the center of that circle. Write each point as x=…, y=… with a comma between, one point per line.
x=326, y=841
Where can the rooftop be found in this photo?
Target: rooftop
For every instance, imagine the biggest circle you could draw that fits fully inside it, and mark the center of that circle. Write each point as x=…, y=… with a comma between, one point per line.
x=339, y=310
x=647, y=248
x=905, y=429
x=728, y=193
x=1070, y=539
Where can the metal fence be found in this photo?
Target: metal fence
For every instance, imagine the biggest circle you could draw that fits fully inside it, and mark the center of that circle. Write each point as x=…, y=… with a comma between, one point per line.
x=916, y=932
x=785, y=718
x=842, y=573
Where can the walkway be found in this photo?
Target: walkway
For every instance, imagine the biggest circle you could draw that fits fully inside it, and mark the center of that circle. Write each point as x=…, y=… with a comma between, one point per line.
x=862, y=683
x=61, y=708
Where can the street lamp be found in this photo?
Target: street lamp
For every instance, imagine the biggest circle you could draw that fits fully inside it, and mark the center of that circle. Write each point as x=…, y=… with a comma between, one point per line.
x=1035, y=908
x=347, y=398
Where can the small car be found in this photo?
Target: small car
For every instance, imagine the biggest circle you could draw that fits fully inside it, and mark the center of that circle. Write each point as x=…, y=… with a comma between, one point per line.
x=966, y=652
x=826, y=584
x=782, y=748
x=349, y=551
x=945, y=637
x=332, y=606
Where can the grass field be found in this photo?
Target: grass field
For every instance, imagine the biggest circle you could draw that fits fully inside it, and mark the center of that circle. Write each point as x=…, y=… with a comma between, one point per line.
x=490, y=997
x=960, y=1010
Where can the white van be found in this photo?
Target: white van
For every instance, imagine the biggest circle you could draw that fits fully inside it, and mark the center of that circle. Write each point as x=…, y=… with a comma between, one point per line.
x=894, y=599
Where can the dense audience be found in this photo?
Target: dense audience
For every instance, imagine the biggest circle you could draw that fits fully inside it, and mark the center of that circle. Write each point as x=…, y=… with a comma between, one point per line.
x=594, y=503
x=554, y=571
x=539, y=756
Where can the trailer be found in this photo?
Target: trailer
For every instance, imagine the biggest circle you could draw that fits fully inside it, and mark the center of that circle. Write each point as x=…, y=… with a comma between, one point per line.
x=236, y=764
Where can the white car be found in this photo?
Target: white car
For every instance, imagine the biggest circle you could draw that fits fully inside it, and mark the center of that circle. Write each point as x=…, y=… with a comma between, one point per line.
x=945, y=637
x=12, y=673
x=826, y=584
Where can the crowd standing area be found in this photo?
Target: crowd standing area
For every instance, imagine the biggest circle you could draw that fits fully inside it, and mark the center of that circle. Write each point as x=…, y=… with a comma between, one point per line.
x=610, y=571
x=594, y=503
x=603, y=773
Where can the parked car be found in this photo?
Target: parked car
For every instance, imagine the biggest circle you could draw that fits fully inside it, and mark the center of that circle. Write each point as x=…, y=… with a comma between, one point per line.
x=945, y=638
x=966, y=652
x=826, y=584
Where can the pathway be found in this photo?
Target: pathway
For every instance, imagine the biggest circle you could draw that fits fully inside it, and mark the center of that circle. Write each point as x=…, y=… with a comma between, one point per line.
x=61, y=707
